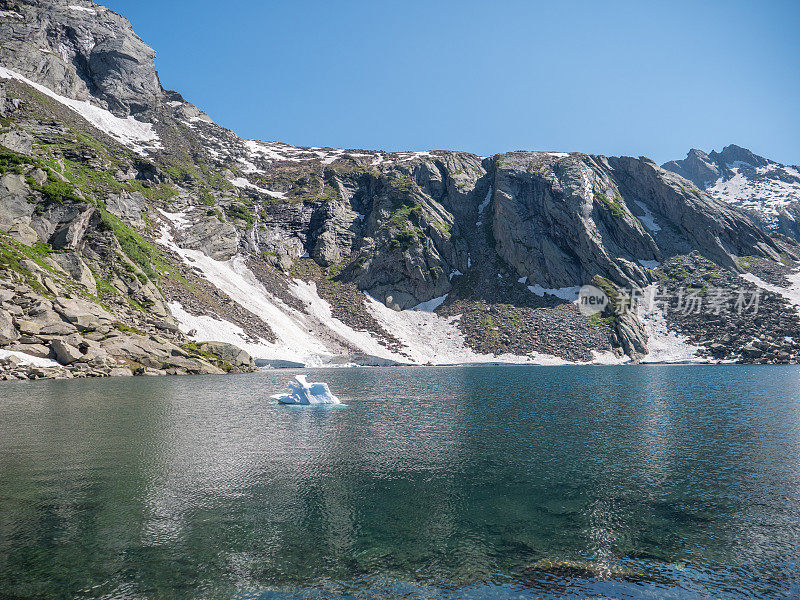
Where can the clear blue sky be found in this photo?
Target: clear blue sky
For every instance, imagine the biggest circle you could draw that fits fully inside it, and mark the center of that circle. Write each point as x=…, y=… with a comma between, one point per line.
x=636, y=78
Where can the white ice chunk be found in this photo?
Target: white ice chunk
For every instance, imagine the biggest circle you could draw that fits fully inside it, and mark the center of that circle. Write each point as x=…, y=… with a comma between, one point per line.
x=303, y=392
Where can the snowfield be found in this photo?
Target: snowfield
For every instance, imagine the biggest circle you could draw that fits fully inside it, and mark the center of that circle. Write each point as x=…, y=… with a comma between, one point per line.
x=790, y=293
x=767, y=190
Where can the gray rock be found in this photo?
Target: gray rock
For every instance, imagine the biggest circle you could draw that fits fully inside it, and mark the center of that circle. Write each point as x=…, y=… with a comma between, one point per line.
x=120, y=372
x=57, y=328
x=230, y=353
x=23, y=233
x=632, y=336
x=8, y=333
x=14, y=205
x=213, y=238
x=28, y=327
x=73, y=264
x=128, y=206
x=85, y=315
x=65, y=353
x=70, y=234
x=81, y=54
x=37, y=350
x=17, y=141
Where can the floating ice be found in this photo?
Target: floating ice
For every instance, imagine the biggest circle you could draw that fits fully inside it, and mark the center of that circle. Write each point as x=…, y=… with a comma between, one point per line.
x=304, y=392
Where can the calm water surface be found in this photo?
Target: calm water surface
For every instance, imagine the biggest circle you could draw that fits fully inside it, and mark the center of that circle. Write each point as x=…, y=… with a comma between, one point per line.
x=658, y=482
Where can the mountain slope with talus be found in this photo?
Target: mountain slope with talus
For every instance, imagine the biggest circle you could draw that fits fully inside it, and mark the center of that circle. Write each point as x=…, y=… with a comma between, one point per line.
x=196, y=250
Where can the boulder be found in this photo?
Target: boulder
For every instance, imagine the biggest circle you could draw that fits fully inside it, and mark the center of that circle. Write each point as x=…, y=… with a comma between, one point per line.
x=213, y=238
x=65, y=353
x=240, y=359
x=8, y=333
x=14, y=205
x=73, y=264
x=70, y=234
x=23, y=233
x=37, y=350
x=120, y=372
x=57, y=328
x=11, y=362
x=18, y=141
x=192, y=366
x=28, y=327
x=85, y=315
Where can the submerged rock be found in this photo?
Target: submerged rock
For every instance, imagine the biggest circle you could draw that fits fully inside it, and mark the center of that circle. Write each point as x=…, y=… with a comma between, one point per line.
x=583, y=569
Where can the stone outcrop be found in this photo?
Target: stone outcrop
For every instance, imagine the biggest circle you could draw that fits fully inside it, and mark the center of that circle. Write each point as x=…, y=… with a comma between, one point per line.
x=214, y=238
x=81, y=50
x=240, y=360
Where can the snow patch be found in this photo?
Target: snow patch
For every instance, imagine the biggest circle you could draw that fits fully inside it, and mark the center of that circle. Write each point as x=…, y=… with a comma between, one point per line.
x=647, y=219
x=790, y=293
x=767, y=190
x=82, y=9
x=431, y=339
x=243, y=183
x=664, y=346
x=565, y=293
x=27, y=359
x=137, y=135
x=11, y=14
x=649, y=264
x=178, y=219
x=431, y=305
x=482, y=206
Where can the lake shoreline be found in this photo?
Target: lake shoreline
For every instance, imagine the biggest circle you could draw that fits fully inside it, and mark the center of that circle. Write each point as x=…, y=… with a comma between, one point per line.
x=16, y=371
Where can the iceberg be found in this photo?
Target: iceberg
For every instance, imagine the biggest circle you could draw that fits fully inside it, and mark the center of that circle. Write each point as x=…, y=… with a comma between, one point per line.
x=303, y=392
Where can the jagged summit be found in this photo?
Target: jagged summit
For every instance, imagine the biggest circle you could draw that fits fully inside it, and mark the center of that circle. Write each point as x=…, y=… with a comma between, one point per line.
x=767, y=190
x=190, y=245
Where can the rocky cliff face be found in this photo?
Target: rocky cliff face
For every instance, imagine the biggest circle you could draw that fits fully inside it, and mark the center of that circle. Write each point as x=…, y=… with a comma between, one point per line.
x=139, y=236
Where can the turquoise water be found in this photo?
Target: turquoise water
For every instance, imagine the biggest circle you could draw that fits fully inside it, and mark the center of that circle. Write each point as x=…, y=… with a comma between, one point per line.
x=654, y=482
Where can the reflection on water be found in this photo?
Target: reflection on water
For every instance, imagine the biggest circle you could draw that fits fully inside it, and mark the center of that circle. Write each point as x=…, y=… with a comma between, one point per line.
x=637, y=482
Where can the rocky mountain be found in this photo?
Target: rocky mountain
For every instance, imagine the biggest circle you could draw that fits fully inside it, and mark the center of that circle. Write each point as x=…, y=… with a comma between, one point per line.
x=767, y=191
x=137, y=236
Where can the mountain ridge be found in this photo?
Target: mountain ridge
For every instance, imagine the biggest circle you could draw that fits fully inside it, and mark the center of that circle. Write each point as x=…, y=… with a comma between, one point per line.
x=125, y=196
x=768, y=191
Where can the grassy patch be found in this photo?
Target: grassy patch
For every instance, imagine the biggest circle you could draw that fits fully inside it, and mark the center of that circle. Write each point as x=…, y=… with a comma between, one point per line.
x=141, y=252
x=241, y=213
x=615, y=206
